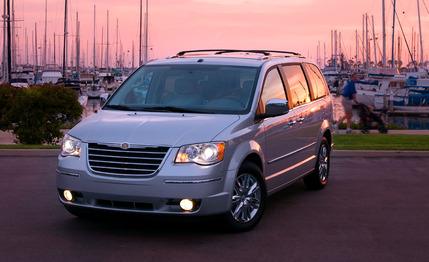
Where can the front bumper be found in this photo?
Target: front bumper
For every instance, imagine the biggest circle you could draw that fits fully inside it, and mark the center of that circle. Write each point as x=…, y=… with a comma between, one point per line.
x=210, y=186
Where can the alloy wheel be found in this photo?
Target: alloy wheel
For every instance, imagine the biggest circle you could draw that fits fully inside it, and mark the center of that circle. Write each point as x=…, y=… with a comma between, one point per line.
x=246, y=199
x=323, y=164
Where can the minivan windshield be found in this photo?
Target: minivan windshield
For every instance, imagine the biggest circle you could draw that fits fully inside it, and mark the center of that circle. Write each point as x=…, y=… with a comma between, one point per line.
x=209, y=89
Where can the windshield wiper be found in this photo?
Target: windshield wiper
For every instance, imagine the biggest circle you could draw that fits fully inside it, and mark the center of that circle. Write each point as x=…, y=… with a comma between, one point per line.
x=119, y=107
x=174, y=109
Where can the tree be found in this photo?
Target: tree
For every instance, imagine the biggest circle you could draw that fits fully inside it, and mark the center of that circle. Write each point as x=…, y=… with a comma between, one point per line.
x=38, y=113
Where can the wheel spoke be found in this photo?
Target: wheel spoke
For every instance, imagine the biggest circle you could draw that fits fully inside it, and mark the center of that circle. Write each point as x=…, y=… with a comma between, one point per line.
x=323, y=163
x=254, y=188
x=246, y=199
x=238, y=210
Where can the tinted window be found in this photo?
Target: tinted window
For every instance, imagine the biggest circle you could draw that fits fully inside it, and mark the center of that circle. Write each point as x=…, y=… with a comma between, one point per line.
x=318, y=84
x=196, y=88
x=273, y=88
x=297, y=85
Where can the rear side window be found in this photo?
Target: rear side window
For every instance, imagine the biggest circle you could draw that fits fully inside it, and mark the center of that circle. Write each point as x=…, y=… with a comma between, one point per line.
x=297, y=84
x=318, y=84
x=273, y=88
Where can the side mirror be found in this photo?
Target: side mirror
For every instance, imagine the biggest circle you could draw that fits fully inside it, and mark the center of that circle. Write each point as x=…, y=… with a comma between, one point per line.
x=276, y=107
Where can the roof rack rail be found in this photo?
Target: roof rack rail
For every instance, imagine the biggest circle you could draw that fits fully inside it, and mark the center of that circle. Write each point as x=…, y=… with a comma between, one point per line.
x=225, y=51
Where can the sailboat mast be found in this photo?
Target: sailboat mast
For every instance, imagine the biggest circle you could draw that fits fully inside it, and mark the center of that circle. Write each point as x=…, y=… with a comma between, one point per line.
x=55, y=50
x=9, y=49
x=46, y=34
x=107, y=43
x=384, y=33
x=116, y=47
x=374, y=41
x=65, y=40
x=94, y=43
x=367, y=43
x=356, y=46
x=132, y=57
x=363, y=41
x=146, y=33
x=13, y=37
x=102, y=47
x=140, y=36
x=324, y=54
x=420, y=32
x=77, y=43
x=36, y=47
x=393, y=34
x=26, y=47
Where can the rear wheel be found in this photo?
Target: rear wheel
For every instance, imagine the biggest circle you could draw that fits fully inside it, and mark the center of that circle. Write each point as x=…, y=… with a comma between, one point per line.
x=248, y=199
x=319, y=178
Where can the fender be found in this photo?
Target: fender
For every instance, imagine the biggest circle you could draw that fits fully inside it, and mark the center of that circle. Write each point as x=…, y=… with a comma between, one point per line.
x=240, y=153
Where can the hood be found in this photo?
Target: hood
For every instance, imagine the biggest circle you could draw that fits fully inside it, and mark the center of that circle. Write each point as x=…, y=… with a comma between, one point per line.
x=152, y=129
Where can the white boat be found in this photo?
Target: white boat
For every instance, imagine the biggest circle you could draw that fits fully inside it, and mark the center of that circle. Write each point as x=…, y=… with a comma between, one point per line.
x=51, y=77
x=19, y=82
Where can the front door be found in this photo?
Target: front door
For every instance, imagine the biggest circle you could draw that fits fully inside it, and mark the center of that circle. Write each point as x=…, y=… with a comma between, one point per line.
x=280, y=135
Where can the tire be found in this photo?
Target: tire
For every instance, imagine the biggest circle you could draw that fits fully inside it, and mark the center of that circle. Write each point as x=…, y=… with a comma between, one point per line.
x=246, y=207
x=318, y=179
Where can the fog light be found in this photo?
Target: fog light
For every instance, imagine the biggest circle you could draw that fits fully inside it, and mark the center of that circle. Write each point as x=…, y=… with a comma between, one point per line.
x=187, y=204
x=68, y=195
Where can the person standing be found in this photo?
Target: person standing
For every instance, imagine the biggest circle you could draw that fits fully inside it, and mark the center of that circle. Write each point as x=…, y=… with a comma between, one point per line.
x=348, y=97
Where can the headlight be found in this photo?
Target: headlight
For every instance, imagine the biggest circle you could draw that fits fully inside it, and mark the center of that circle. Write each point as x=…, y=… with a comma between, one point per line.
x=71, y=146
x=202, y=154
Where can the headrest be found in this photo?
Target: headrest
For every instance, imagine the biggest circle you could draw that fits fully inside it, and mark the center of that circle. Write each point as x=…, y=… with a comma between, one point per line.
x=184, y=86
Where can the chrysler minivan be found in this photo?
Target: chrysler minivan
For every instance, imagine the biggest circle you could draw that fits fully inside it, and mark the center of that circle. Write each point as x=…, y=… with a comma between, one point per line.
x=205, y=132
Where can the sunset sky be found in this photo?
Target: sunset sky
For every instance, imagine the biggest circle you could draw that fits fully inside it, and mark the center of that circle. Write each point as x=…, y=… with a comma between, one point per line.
x=175, y=25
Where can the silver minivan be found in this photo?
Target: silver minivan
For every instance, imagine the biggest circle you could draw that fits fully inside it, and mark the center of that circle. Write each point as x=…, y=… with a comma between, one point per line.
x=205, y=132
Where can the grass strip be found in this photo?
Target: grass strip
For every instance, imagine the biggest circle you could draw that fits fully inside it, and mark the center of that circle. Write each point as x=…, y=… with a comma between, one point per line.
x=382, y=142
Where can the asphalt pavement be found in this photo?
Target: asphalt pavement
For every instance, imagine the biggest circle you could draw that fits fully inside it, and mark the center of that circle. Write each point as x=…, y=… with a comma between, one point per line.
x=375, y=208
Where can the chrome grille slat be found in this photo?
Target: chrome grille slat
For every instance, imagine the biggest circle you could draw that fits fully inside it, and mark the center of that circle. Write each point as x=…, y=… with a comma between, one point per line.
x=126, y=163
x=114, y=161
x=130, y=157
x=123, y=168
x=122, y=151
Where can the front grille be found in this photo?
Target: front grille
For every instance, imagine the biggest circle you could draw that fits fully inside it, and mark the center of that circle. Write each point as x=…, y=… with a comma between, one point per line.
x=124, y=205
x=111, y=160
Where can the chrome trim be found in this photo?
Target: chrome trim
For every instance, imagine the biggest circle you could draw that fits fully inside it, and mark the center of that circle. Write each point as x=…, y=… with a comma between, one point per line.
x=122, y=151
x=123, y=168
x=111, y=174
x=192, y=181
x=291, y=167
x=127, y=163
x=130, y=157
x=291, y=153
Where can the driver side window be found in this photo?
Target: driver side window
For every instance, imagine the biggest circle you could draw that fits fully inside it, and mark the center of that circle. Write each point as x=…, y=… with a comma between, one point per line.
x=273, y=88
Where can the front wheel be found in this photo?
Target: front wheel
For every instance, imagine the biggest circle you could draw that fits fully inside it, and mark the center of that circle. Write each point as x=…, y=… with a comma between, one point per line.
x=319, y=178
x=248, y=199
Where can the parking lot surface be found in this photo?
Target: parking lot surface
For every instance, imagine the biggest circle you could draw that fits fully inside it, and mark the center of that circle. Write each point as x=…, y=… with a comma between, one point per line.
x=376, y=208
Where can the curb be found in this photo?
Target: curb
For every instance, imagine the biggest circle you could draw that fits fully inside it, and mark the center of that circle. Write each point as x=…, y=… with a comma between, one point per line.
x=29, y=152
x=379, y=154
